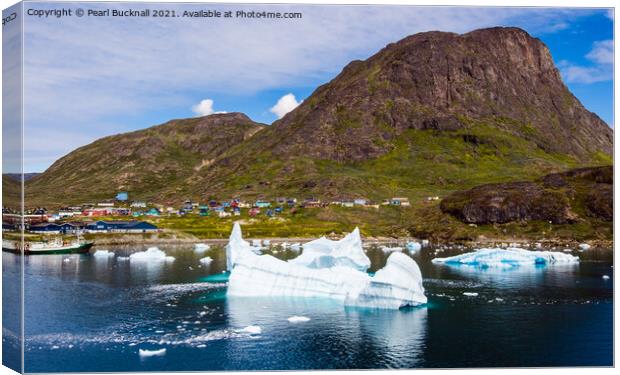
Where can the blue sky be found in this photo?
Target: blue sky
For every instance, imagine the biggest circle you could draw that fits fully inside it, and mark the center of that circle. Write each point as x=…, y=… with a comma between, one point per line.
x=88, y=78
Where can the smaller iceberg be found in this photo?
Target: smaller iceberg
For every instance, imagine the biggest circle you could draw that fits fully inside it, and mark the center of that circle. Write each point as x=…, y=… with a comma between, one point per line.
x=584, y=246
x=414, y=246
x=144, y=353
x=507, y=258
x=206, y=261
x=298, y=319
x=103, y=254
x=201, y=247
x=387, y=249
x=151, y=254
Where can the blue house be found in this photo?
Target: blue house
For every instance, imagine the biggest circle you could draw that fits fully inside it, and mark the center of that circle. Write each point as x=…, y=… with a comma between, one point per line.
x=122, y=196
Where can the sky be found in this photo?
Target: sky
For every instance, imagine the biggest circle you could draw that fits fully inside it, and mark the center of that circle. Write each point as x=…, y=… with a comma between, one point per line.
x=89, y=77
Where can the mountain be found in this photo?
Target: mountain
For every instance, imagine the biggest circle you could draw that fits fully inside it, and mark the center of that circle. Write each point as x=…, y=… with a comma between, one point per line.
x=149, y=164
x=431, y=114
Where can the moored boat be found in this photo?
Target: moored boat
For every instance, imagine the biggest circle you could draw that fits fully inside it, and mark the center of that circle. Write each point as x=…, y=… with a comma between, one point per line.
x=52, y=247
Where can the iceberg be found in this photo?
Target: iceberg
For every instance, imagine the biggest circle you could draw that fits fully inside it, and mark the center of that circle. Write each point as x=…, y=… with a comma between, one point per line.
x=414, y=246
x=151, y=353
x=507, y=258
x=201, y=247
x=206, y=261
x=330, y=269
x=103, y=254
x=584, y=246
x=387, y=249
x=151, y=254
x=298, y=319
x=325, y=253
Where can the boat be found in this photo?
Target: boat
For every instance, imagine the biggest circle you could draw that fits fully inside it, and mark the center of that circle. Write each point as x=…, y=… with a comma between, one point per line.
x=57, y=246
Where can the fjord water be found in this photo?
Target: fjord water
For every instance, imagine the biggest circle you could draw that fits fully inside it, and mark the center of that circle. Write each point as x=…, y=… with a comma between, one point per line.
x=87, y=313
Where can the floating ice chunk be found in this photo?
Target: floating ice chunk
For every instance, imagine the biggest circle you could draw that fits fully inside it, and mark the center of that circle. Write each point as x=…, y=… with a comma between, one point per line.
x=298, y=319
x=414, y=246
x=206, y=261
x=605, y=277
x=567, y=250
x=584, y=246
x=325, y=253
x=387, y=249
x=252, y=330
x=425, y=242
x=470, y=294
x=201, y=247
x=506, y=258
x=151, y=254
x=398, y=284
x=151, y=353
x=296, y=247
x=103, y=254
x=266, y=242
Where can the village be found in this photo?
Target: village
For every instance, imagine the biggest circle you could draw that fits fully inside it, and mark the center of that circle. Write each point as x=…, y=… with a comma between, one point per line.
x=122, y=215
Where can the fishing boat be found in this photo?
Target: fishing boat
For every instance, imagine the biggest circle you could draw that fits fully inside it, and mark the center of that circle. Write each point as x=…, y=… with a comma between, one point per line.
x=56, y=246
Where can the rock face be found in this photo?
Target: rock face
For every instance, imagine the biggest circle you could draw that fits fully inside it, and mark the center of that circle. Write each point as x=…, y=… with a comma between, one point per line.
x=558, y=198
x=442, y=81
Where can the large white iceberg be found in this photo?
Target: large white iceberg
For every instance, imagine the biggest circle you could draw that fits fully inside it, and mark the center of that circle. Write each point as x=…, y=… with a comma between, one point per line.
x=325, y=253
x=337, y=273
x=507, y=258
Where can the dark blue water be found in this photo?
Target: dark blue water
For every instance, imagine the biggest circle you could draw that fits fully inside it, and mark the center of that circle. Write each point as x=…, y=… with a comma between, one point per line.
x=94, y=314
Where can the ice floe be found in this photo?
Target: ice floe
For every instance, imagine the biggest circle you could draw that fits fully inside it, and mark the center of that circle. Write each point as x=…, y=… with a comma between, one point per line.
x=151, y=353
x=201, y=247
x=206, y=261
x=605, y=277
x=298, y=319
x=507, y=258
x=103, y=254
x=584, y=246
x=387, y=249
x=151, y=254
x=253, y=330
x=470, y=294
x=414, y=246
x=331, y=269
x=325, y=253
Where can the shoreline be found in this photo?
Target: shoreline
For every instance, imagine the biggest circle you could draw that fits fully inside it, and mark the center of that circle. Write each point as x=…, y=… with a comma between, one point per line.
x=487, y=242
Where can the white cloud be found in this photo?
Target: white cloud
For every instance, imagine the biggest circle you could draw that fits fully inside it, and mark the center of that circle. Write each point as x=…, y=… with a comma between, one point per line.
x=602, y=52
x=284, y=105
x=205, y=108
x=602, y=55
